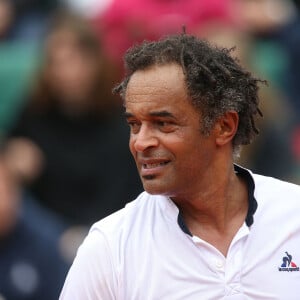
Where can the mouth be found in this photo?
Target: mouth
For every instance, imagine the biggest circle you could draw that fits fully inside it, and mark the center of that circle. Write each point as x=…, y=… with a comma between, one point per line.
x=150, y=170
x=154, y=165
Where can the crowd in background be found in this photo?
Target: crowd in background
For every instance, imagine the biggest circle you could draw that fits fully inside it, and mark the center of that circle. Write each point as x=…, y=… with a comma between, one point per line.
x=64, y=158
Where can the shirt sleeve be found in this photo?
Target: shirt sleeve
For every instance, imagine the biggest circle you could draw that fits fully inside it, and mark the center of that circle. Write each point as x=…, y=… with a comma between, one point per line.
x=92, y=275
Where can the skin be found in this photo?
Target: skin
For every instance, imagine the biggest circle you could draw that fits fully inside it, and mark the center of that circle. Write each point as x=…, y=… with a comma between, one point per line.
x=174, y=159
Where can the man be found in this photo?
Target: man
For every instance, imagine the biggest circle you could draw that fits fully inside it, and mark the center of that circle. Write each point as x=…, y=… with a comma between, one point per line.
x=204, y=228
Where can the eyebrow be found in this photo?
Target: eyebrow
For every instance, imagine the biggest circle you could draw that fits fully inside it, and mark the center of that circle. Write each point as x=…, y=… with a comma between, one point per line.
x=162, y=113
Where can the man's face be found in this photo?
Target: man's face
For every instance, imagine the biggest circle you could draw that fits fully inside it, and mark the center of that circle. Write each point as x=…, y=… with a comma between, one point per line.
x=171, y=154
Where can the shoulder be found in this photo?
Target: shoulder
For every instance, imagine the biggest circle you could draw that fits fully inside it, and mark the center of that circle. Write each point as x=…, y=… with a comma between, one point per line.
x=275, y=188
x=100, y=258
x=278, y=200
x=125, y=230
x=134, y=213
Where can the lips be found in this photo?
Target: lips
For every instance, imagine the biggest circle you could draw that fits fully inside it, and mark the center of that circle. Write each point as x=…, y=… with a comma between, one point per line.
x=154, y=165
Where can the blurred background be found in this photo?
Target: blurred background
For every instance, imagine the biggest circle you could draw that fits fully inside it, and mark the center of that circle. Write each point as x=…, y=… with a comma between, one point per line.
x=64, y=158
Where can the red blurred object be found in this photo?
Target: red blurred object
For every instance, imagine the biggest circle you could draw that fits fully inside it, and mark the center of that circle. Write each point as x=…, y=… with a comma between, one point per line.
x=131, y=21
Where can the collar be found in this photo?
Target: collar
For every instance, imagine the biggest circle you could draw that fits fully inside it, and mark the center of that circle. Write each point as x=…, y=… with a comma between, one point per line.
x=252, y=203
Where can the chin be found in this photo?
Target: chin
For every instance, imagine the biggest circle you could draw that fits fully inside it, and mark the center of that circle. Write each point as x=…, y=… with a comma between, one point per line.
x=156, y=186
x=154, y=189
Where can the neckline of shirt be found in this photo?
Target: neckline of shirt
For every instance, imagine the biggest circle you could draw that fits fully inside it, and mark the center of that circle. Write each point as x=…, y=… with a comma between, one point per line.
x=252, y=207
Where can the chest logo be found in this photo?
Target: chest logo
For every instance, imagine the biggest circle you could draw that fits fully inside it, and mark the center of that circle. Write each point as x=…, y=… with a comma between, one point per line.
x=287, y=264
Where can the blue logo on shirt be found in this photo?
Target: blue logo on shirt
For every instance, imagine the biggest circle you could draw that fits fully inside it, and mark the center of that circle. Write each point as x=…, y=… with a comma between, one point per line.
x=287, y=264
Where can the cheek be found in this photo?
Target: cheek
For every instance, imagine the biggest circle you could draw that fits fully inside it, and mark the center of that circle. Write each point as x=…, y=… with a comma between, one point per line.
x=193, y=155
x=183, y=145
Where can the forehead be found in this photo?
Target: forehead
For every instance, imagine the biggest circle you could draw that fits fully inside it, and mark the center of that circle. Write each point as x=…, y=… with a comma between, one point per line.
x=160, y=84
x=161, y=75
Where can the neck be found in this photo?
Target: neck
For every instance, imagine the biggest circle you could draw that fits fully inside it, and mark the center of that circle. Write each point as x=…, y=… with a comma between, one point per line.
x=216, y=213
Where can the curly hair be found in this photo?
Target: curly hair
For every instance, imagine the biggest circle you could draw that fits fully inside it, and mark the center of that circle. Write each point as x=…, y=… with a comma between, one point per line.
x=216, y=81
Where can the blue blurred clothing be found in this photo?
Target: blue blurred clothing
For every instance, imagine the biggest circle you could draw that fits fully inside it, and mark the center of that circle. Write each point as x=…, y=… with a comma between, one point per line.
x=31, y=267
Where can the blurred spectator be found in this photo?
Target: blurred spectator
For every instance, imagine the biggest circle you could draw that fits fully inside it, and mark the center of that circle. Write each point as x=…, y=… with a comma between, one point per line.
x=31, y=266
x=274, y=26
x=69, y=145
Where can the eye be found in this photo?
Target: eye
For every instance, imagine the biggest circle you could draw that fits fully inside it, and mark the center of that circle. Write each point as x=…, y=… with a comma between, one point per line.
x=134, y=126
x=162, y=123
x=165, y=126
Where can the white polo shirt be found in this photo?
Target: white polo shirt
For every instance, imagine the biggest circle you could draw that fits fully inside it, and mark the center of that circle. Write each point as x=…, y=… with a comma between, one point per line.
x=145, y=252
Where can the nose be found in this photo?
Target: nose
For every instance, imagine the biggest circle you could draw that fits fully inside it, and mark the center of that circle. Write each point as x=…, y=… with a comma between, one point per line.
x=144, y=139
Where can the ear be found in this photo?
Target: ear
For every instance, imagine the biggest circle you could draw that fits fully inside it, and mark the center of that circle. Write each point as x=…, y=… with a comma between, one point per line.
x=226, y=127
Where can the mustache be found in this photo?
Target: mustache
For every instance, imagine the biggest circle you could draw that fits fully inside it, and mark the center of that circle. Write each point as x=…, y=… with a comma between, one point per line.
x=155, y=154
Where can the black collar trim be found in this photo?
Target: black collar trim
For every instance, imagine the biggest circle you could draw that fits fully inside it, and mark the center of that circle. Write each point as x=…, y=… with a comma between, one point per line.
x=251, y=200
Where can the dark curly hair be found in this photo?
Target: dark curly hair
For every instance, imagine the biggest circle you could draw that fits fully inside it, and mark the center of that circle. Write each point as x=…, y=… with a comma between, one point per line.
x=215, y=80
